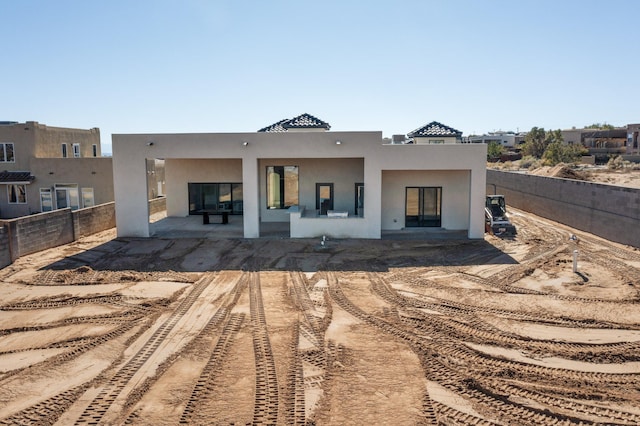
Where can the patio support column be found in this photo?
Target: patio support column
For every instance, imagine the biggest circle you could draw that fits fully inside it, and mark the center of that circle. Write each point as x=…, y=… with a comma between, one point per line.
x=477, y=197
x=373, y=197
x=251, y=197
x=130, y=190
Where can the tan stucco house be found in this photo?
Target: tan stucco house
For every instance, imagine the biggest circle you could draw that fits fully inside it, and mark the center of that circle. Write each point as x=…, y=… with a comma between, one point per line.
x=45, y=168
x=321, y=182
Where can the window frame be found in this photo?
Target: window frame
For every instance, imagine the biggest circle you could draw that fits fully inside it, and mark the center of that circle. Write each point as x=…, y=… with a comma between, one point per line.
x=16, y=193
x=94, y=150
x=3, y=152
x=65, y=152
x=83, y=196
x=76, y=150
x=282, y=200
x=49, y=192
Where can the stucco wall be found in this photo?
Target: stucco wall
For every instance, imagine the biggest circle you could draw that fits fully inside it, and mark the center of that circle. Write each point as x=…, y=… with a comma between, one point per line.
x=316, y=227
x=96, y=173
x=253, y=148
x=50, y=140
x=455, y=196
x=611, y=212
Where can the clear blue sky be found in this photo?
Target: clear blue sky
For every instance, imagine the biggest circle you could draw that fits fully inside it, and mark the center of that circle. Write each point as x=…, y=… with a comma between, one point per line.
x=156, y=66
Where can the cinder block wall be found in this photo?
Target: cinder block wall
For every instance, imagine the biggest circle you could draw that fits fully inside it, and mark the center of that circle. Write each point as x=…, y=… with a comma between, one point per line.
x=5, y=250
x=157, y=205
x=30, y=234
x=611, y=212
x=94, y=219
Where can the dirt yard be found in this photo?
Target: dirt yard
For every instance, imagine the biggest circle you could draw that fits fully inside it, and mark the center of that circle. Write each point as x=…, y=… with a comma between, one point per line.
x=288, y=332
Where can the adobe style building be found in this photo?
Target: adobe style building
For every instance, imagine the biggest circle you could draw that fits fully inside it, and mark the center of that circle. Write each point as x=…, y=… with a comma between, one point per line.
x=599, y=142
x=45, y=168
x=338, y=184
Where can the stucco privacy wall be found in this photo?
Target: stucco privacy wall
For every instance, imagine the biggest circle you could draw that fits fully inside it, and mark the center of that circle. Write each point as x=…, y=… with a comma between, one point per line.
x=611, y=212
x=130, y=152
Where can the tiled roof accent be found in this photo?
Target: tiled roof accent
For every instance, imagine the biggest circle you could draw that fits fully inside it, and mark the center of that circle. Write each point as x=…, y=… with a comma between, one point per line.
x=304, y=121
x=434, y=129
x=12, y=177
x=275, y=127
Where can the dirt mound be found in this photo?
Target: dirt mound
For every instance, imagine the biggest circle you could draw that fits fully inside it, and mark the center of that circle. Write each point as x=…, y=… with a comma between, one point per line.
x=560, y=171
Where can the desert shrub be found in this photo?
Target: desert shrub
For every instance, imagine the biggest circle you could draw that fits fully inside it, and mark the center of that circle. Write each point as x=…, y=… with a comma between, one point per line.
x=618, y=163
x=528, y=162
x=615, y=163
x=557, y=153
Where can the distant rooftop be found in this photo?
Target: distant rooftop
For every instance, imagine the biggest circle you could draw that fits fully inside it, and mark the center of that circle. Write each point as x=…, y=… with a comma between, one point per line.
x=303, y=121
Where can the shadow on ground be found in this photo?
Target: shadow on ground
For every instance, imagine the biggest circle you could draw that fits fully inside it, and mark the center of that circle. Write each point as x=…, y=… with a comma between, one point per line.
x=201, y=254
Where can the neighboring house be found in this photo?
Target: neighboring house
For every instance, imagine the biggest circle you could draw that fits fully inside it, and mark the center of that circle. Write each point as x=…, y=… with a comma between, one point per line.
x=46, y=168
x=506, y=139
x=339, y=184
x=633, y=139
x=599, y=142
x=435, y=133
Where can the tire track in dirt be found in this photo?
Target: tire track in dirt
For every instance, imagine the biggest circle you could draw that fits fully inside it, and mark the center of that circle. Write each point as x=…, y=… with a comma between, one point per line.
x=443, y=360
x=428, y=412
x=479, y=365
x=203, y=387
x=99, y=406
x=266, y=393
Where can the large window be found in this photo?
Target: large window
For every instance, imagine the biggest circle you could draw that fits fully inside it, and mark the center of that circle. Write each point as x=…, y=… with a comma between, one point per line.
x=17, y=193
x=215, y=197
x=282, y=186
x=46, y=202
x=87, y=197
x=67, y=196
x=6, y=153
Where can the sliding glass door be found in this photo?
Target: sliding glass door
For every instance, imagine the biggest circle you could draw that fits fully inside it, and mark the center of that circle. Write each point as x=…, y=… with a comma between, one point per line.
x=423, y=207
x=215, y=197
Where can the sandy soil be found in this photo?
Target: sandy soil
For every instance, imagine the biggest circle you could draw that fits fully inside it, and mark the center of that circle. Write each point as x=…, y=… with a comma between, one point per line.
x=629, y=177
x=287, y=332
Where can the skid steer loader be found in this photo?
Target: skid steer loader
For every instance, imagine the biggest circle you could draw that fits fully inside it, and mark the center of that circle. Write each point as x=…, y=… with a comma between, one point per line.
x=496, y=220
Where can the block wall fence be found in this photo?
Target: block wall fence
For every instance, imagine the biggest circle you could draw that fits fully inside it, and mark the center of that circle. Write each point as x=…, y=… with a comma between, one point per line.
x=30, y=234
x=611, y=212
